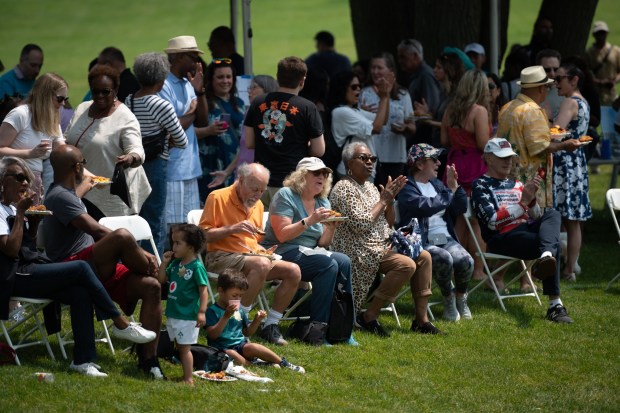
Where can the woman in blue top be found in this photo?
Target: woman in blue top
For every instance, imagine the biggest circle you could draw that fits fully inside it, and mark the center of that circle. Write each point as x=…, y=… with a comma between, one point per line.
x=219, y=142
x=570, y=169
x=296, y=224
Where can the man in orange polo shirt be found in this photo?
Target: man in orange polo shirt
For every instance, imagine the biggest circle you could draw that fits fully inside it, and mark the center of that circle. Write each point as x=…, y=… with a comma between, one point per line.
x=232, y=219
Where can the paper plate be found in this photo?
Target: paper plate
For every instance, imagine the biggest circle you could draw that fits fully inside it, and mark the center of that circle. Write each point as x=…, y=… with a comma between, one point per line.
x=36, y=212
x=205, y=376
x=335, y=219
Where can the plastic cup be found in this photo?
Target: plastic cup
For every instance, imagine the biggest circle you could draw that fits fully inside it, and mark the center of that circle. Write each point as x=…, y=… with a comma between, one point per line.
x=44, y=377
x=236, y=303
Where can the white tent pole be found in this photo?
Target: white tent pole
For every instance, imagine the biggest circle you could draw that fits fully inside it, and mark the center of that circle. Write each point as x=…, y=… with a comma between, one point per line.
x=247, y=37
x=494, y=35
x=234, y=11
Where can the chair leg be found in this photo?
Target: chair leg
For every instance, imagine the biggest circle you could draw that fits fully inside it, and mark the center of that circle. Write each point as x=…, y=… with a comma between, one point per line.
x=107, y=336
x=6, y=335
x=613, y=281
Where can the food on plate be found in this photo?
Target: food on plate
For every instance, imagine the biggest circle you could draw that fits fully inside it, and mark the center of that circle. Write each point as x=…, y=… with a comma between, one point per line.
x=586, y=138
x=421, y=114
x=37, y=208
x=333, y=213
x=557, y=130
x=100, y=180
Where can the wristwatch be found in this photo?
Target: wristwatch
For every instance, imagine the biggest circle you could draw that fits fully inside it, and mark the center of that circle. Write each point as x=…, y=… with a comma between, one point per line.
x=200, y=92
x=303, y=222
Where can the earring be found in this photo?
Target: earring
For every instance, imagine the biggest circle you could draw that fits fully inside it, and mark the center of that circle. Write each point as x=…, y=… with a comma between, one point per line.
x=349, y=172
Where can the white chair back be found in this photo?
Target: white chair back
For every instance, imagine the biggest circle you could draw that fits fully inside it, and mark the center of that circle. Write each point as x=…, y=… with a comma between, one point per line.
x=193, y=216
x=135, y=224
x=613, y=202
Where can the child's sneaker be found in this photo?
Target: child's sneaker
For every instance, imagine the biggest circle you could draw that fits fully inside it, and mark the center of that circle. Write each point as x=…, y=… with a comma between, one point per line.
x=285, y=364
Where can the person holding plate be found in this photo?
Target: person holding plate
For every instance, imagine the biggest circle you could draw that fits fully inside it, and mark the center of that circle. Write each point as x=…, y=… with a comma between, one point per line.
x=570, y=169
x=298, y=224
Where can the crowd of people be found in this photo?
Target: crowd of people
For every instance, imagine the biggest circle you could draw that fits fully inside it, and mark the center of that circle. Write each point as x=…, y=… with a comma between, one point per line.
x=270, y=175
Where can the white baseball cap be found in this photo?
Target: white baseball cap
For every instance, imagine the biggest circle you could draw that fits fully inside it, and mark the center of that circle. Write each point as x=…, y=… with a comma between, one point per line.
x=499, y=147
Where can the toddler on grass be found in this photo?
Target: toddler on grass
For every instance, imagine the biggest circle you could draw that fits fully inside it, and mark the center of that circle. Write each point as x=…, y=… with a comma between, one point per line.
x=228, y=327
x=187, y=297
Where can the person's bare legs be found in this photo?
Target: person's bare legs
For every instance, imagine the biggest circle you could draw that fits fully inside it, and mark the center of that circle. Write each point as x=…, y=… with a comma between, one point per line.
x=255, y=350
x=573, y=235
x=237, y=358
x=119, y=245
x=187, y=361
x=255, y=270
x=148, y=290
x=289, y=275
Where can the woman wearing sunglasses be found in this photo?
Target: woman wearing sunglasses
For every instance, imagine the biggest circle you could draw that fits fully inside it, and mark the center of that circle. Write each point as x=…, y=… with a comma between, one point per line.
x=25, y=272
x=350, y=124
x=363, y=237
x=30, y=131
x=297, y=225
x=108, y=134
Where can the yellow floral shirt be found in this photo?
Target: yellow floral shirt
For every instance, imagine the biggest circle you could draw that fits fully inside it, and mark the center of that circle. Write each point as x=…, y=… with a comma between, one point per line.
x=525, y=125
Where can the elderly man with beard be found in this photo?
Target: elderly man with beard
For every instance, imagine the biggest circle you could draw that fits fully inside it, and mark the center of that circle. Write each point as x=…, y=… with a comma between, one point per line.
x=232, y=220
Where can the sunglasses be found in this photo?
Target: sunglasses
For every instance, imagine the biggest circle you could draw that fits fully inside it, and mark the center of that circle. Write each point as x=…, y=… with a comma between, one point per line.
x=365, y=158
x=19, y=177
x=83, y=162
x=320, y=172
x=221, y=60
x=559, y=78
x=62, y=99
x=549, y=69
x=101, y=92
x=356, y=87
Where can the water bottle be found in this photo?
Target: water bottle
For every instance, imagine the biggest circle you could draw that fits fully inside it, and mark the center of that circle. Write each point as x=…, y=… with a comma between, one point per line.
x=44, y=377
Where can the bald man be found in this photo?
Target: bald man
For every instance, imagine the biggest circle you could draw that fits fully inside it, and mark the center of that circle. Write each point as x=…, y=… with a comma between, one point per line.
x=71, y=234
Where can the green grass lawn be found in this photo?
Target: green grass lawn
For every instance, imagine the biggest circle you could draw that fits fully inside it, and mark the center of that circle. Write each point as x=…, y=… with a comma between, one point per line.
x=498, y=362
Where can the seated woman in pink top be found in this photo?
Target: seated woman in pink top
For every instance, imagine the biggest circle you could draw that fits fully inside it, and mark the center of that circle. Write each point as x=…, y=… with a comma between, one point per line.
x=465, y=130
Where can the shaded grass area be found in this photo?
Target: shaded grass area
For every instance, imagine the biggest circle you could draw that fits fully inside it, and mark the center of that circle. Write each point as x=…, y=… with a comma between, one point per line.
x=498, y=362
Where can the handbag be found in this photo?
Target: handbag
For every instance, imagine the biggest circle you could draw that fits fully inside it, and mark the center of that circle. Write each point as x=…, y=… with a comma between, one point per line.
x=406, y=240
x=153, y=144
x=341, y=316
x=119, y=185
x=310, y=332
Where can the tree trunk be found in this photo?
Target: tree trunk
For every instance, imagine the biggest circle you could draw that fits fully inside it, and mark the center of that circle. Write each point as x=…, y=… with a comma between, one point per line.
x=380, y=25
x=572, y=21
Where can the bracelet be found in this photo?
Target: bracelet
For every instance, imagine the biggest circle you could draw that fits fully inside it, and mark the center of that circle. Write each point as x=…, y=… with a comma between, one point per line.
x=201, y=92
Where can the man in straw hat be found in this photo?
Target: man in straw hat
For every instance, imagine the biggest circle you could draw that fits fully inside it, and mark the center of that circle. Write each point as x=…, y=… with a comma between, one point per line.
x=512, y=222
x=524, y=124
x=604, y=60
x=184, y=89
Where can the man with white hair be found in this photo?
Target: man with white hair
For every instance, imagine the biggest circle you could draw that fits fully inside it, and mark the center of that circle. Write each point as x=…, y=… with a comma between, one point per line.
x=512, y=222
x=233, y=220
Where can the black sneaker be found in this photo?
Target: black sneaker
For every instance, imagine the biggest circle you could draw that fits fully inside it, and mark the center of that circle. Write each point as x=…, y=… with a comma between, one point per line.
x=426, y=328
x=272, y=334
x=544, y=267
x=152, y=368
x=558, y=314
x=371, y=326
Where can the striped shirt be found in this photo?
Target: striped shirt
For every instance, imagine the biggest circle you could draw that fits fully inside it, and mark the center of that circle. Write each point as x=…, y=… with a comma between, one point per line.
x=155, y=114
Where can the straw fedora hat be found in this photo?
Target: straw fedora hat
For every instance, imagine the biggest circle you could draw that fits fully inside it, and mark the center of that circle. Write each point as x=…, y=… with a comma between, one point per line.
x=533, y=76
x=183, y=44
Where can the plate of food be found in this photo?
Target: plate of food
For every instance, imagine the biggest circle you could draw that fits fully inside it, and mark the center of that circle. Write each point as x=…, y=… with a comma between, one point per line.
x=38, y=210
x=335, y=216
x=101, y=181
x=420, y=116
x=221, y=376
x=558, y=133
x=585, y=140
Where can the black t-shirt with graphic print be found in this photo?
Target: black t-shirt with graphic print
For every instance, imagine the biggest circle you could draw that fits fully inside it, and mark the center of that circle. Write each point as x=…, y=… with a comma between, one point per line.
x=283, y=125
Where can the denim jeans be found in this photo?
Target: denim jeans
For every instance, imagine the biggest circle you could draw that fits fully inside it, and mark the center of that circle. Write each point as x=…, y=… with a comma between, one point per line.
x=75, y=284
x=154, y=208
x=528, y=241
x=324, y=273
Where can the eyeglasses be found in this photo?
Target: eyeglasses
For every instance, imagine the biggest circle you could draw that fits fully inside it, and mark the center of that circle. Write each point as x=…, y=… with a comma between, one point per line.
x=83, y=162
x=62, y=99
x=365, y=158
x=101, y=92
x=492, y=86
x=559, y=78
x=550, y=69
x=19, y=177
x=220, y=60
x=356, y=86
x=320, y=172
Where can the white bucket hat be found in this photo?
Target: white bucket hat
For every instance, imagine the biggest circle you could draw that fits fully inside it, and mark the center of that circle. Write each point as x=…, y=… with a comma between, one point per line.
x=534, y=76
x=183, y=44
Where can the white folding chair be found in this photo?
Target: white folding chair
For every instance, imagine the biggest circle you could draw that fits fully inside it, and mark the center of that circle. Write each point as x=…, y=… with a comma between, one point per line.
x=509, y=261
x=193, y=217
x=613, y=202
x=135, y=224
x=30, y=309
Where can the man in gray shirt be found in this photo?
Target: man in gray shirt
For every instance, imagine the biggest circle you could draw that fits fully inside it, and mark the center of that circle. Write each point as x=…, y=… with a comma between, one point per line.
x=71, y=234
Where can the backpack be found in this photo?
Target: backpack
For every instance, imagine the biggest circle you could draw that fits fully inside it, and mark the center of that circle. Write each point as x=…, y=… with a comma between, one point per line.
x=205, y=357
x=310, y=332
x=341, y=317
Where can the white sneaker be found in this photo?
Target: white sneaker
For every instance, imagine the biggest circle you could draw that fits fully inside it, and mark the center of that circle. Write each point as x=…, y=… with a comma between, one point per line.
x=134, y=332
x=463, y=308
x=88, y=369
x=450, y=312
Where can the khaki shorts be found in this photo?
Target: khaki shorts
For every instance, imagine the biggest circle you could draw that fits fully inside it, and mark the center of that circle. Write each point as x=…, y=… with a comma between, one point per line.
x=218, y=261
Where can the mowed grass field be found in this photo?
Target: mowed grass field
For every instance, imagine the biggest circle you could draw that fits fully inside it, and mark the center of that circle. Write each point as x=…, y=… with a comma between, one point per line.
x=73, y=32
x=498, y=362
